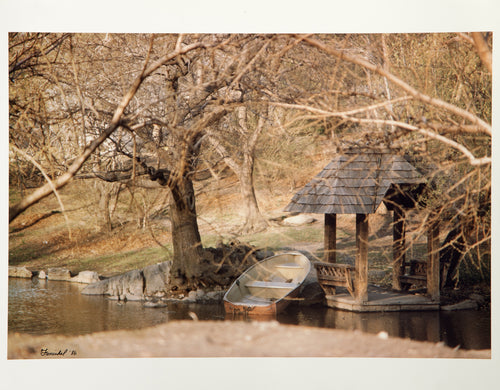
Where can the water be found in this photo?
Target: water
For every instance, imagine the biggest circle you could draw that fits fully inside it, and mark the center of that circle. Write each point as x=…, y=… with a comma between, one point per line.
x=50, y=307
x=468, y=329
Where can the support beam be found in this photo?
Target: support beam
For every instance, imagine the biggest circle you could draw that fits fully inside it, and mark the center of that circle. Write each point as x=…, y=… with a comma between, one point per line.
x=433, y=261
x=398, y=246
x=361, y=274
x=330, y=238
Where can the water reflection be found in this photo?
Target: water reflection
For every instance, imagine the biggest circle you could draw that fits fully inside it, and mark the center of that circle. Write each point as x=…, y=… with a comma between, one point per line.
x=469, y=329
x=417, y=326
x=50, y=307
x=45, y=307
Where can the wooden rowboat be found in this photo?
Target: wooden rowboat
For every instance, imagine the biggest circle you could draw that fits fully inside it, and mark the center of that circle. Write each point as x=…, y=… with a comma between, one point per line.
x=267, y=287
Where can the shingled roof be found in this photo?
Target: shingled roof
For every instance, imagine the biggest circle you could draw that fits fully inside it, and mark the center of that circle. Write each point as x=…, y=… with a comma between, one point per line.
x=354, y=183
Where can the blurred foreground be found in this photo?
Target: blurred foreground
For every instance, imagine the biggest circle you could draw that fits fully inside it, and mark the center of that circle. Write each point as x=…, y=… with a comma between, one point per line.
x=229, y=339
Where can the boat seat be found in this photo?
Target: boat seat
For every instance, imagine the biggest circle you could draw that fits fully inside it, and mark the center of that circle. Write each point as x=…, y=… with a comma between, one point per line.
x=289, y=265
x=252, y=300
x=262, y=284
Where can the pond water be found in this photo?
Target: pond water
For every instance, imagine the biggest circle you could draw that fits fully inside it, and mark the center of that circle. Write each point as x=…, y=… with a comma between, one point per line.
x=50, y=307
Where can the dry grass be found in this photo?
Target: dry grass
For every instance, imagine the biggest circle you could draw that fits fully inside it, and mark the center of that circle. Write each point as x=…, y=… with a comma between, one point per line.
x=40, y=239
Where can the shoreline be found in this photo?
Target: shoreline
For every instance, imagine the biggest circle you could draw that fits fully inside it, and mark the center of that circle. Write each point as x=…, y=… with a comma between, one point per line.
x=229, y=339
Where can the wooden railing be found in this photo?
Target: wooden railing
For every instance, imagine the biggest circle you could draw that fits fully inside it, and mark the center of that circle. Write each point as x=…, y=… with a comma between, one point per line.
x=332, y=275
x=415, y=274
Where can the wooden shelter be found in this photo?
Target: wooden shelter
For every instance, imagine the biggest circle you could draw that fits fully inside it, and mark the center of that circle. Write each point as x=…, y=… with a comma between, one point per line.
x=357, y=182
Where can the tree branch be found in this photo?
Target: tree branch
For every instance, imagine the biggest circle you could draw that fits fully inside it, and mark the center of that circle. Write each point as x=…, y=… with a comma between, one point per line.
x=47, y=189
x=49, y=182
x=485, y=127
x=482, y=50
x=231, y=163
x=406, y=126
x=430, y=134
x=341, y=114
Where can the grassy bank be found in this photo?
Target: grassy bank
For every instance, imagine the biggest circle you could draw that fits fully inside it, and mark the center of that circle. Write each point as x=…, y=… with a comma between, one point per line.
x=41, y=238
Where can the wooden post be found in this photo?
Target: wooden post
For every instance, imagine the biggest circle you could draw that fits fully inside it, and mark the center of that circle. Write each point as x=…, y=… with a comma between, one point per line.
x=433, y=261
x=398, y=246
x=361, y=274
x=330, y=238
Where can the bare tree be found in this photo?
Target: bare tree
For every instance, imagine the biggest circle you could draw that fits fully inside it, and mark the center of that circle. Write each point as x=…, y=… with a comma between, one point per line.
x=124, y=108
x=146, y=71
x=431, y=99
x=243, y=167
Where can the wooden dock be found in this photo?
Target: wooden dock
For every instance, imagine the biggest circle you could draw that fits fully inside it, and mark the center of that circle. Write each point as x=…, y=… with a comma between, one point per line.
x=381, y=300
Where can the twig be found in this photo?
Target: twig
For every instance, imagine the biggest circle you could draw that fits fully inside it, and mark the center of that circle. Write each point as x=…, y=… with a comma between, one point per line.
x=485, y=127
x=62, y=180
x=51, y=184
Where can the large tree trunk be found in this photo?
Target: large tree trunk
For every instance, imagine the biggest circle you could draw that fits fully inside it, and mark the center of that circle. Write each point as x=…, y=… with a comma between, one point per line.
x=104, y=199
x=188, y=250
x=452, y=252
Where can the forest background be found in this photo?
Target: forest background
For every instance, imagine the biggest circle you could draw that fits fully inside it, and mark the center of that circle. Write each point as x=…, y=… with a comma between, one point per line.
x=152, y=133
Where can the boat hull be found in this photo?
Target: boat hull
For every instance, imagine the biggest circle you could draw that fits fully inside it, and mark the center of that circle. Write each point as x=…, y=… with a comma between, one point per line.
x=268, y=287
x=269, y=310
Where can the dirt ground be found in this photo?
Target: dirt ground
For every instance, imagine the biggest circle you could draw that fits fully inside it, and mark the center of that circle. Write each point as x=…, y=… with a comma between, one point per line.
x=228, y=339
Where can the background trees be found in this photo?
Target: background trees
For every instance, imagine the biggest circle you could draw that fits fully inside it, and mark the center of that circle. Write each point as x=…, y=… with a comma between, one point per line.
x=148, y=111
x=428, y=96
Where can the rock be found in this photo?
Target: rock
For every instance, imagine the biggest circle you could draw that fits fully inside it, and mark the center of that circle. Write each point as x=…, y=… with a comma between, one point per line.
x=298, y=220
x=127, y=286
x=19, y=272
x=58, y=274
x=214, y=296
x=310, y=291
x=192, y=295
x=154, y=304
x=383, y=335
x=42, y=275
x=134, y=285
x=86, y=277
x=262, y=254
x=477, y=297
x=464, y=305
x=157, y=278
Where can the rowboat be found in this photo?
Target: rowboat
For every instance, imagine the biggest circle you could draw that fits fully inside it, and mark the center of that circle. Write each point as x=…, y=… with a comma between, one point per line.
x=267, y=287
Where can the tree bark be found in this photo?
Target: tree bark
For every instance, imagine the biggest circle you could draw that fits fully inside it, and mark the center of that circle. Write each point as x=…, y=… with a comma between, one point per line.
x=254, y=221
x=398, y=246
x=104, y=200
x=451, y=253
x=188, y=250
x=483, y=50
